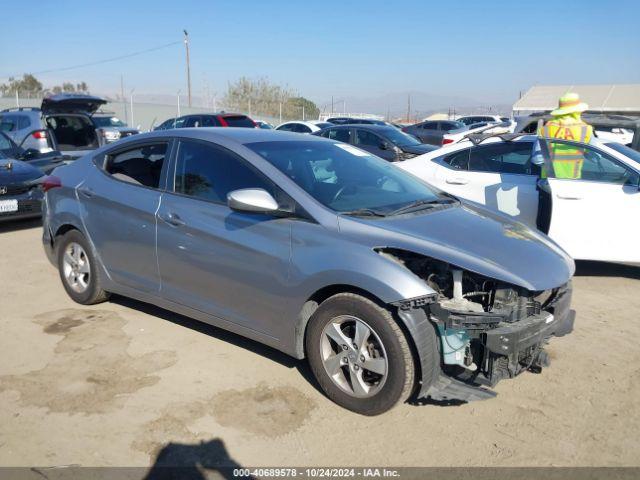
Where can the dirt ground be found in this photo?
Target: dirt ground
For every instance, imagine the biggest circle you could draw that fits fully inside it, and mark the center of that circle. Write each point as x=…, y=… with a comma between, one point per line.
x=119, y=383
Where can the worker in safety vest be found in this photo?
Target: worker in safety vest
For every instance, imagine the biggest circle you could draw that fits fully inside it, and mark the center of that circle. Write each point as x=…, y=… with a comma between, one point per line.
x=566, y=124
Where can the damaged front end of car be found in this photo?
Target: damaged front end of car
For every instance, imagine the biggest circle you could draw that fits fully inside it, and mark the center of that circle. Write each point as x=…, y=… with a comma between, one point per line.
x=486, y=330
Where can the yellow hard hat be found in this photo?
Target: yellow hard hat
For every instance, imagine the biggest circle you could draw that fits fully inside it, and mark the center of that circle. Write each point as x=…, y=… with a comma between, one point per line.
x=569, y=103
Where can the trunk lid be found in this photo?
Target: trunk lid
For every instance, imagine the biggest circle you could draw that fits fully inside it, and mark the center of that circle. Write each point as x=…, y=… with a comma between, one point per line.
x=71, y=103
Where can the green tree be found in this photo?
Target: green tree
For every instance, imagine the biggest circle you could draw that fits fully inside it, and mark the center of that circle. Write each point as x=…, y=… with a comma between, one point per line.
x=261, y=97
x=28, y=85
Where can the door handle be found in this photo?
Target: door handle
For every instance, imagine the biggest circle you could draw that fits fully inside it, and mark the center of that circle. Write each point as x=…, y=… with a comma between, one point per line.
x=457, y=181
x=172, y=219
x=569, y=197
x=86, y=192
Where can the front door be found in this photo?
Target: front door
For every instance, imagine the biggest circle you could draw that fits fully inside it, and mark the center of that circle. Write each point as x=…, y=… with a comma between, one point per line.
x=119, y=201
x=229, y=264
x=374, y=144
x=595, y=217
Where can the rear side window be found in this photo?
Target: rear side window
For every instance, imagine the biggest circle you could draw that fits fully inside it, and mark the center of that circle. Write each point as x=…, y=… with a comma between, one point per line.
x=209, y=121
x=8, y=123
x=209, y=172
x=458, y=160
x=340, y=134
x=141, y=165
x=238, y=121
x=510, y=157
x=430, y=126
x=193, y=122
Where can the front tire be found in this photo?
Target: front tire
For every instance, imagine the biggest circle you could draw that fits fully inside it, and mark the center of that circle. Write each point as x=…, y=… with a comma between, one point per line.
x=79, y=270
x=359, y=354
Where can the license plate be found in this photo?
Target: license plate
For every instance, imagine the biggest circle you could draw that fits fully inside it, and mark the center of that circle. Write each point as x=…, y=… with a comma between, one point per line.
x=8, y=206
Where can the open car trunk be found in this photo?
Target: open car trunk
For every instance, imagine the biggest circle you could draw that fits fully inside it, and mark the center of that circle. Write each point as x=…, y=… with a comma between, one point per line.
x=72, y=132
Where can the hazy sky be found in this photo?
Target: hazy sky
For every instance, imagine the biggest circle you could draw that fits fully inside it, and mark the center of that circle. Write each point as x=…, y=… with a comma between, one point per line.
x=485, y=50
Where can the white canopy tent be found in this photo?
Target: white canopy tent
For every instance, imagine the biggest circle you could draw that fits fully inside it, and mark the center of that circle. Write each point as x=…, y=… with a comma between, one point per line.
x=623, y=99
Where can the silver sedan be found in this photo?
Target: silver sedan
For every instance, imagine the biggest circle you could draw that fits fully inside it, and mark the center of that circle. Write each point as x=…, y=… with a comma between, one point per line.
x=389, y=287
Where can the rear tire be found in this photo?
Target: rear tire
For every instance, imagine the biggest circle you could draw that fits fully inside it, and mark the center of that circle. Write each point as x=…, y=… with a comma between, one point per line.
x=78, y=269
x=359, y=354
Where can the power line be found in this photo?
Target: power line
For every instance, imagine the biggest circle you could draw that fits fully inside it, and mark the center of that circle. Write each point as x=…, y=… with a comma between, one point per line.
x=99, y=62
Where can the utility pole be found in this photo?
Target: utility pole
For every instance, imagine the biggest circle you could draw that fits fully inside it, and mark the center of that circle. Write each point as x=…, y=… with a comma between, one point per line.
x=179, y=103
x=331, y=105
x=124, y=100
x=132, y=90
x=280, y=112
x=186, y=46
x=344, y=106
x=408, y=107
x=303, y=112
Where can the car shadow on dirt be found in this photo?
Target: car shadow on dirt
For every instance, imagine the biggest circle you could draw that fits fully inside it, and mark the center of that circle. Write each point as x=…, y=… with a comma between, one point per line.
x=15, y=225
x=193, y=461
x=224, y=335
x=587, y=268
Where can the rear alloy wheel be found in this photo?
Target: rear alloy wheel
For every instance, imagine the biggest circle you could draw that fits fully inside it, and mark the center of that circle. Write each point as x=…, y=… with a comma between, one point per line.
x=359, y=354
x=77, y=268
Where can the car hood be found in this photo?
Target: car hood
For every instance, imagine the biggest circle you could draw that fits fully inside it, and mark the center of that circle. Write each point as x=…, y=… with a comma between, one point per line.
x=14, y=172
x=71, y=103
x=418, y=149
x=473, y=239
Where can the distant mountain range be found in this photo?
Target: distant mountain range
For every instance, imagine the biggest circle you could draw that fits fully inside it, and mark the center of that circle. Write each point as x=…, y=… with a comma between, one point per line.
x=422, y=104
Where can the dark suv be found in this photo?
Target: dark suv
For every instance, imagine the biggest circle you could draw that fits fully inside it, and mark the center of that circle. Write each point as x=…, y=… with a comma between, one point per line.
x=208, y=120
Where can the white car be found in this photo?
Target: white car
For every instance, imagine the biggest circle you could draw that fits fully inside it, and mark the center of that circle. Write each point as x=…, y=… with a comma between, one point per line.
x=471, y=119
x=592, y=218
x=303, y=127
x=482, y=127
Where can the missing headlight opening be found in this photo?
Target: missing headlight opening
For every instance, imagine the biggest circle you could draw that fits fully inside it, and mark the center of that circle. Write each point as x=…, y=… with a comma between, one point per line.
x=488, y=330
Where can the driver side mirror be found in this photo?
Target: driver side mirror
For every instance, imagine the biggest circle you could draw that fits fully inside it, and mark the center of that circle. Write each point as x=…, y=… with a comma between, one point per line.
x=252, y=200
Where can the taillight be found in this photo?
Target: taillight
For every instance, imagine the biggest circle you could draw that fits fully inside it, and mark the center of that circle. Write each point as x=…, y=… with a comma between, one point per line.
x=39, y=134
x=51, y=182
x=447, y=140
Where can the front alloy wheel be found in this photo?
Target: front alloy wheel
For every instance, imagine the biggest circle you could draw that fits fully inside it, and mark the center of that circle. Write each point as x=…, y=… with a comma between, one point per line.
x=353, y=356
x=359, y=354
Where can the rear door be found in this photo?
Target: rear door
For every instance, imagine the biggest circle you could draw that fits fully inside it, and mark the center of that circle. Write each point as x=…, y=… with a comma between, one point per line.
x=232, y=265
x=497, y=175
x=119, y=200
x=596, y=216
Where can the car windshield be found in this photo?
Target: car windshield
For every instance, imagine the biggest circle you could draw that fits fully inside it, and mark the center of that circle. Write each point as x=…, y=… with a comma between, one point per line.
x=398, y=137
x=626, y=151
x=346, y=179
x=108, y=122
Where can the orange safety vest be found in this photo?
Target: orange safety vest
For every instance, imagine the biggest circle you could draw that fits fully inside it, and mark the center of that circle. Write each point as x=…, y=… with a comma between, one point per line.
x=566, y=160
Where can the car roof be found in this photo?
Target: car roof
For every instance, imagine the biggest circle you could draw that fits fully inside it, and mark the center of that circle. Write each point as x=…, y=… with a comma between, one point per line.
x=240, y=136
x=363, y=126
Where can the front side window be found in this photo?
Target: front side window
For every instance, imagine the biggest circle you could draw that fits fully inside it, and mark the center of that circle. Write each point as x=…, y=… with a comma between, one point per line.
x=141, y=165
x=597, y=166
x=508, y=157
x=180, y=122
x=368, y=139
x=209, y=172
x=346, y=179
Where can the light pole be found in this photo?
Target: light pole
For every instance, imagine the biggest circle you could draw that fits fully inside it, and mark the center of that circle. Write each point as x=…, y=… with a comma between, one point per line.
x=186, y=46
x=178, y=103
x=131, y=106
